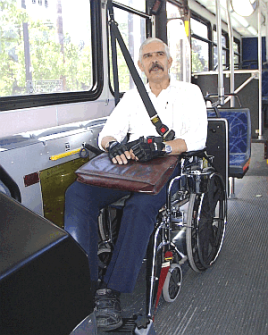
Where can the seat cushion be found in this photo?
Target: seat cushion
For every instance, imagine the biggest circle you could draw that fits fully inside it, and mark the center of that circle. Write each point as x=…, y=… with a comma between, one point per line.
x=238, y=165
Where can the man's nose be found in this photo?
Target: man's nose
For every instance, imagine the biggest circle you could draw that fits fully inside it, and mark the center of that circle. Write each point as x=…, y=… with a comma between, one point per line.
x=155, y=57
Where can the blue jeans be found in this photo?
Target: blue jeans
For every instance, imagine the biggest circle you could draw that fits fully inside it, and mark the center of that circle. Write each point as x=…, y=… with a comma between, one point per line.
x=82, y=206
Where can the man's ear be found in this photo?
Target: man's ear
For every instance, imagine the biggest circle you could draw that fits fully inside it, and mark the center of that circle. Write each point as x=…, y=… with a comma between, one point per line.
x=170, y=61
x=140, y=66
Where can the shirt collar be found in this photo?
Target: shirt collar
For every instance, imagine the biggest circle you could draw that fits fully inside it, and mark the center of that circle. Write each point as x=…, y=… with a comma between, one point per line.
x=172, y=83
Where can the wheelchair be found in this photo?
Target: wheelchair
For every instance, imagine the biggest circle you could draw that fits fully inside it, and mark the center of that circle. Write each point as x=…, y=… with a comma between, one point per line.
x=189, y=227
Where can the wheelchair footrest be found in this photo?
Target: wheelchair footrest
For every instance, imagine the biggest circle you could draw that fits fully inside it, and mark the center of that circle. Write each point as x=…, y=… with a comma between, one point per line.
x=147, y=330
x=137, y=325
x=128, y=327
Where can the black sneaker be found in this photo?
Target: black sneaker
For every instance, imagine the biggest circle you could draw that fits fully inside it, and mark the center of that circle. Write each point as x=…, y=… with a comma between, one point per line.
x=108, y=309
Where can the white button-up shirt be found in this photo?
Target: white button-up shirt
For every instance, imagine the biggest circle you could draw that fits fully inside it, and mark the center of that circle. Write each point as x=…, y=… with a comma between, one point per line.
x=180, y=106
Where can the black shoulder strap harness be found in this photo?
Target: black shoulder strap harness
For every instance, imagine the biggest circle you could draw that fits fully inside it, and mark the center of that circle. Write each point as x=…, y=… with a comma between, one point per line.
x=162, y=129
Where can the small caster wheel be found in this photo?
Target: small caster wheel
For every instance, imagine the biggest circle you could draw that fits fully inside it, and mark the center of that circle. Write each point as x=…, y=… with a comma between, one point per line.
x=172, y=285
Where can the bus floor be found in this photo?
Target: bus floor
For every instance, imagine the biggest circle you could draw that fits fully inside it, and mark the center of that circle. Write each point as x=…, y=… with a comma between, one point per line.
x=231, y=297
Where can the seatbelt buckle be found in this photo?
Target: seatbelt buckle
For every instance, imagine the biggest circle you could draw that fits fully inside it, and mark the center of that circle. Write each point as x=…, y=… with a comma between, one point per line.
x=153, y=139
x=160, y=127
x=163, y=129
x=169, y=136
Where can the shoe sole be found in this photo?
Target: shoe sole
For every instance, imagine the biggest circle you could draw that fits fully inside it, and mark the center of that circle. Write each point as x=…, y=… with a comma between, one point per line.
x=111, y=327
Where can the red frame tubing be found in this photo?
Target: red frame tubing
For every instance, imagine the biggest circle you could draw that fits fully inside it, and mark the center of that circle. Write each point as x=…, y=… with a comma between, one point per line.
x=163, y=274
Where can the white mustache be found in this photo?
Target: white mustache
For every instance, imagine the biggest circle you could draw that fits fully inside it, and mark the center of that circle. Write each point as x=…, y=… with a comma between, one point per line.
x=156, y=65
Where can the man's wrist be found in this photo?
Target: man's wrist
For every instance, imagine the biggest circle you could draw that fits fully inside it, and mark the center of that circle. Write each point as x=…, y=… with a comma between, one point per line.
x=107, y=145
x=168, y=149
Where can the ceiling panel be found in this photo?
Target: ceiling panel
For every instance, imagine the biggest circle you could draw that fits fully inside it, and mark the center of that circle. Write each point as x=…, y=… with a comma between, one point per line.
x=238, y=23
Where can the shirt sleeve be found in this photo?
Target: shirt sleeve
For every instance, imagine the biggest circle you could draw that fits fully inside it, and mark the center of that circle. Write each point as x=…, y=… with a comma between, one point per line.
x=196, y=118
x=117, y=124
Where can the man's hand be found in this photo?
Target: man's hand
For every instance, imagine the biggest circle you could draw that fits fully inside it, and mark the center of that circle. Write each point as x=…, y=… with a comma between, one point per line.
x=119, y=153
x=148, y=148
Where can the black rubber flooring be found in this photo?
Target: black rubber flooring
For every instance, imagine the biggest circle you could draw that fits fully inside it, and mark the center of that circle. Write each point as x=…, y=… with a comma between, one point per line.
x=232, y=296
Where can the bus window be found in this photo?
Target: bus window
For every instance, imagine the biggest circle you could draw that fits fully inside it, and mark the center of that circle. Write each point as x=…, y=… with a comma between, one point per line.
x=132, y=26
x=225, y=60
x=48, y=52
x=138, y=5
x=42, y=49
x=236, y=46
x=200, y=46
x=178, y=43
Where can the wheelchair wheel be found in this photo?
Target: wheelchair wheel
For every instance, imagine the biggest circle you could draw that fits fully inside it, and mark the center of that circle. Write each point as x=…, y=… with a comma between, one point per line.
x=103, y=224
x=105, y=250
x=172, y=285
x=206, y=225
x=109, y=223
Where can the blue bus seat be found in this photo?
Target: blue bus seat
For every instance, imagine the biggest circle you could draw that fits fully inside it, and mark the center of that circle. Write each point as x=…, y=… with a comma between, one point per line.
x=239, y=123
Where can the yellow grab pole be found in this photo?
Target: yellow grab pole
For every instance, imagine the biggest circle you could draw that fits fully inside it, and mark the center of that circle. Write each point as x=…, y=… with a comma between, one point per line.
x=65, y=154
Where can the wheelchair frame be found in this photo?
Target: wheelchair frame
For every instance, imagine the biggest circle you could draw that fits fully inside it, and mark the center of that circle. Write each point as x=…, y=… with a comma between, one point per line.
x=178, y=233
x=195, y=183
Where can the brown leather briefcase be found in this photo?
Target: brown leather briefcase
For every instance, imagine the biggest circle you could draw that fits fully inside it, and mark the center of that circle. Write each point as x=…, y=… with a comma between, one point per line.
x=148, y=177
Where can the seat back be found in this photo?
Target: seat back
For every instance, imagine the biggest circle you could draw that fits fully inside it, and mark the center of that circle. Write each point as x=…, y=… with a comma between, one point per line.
x=239, y=123
x=217, y=145
x=44, y=275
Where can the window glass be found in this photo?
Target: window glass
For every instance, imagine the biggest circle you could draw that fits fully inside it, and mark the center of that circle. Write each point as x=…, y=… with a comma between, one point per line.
x=199, y=28
x=236, y=55
x=139, y=5
x=215, y=58
x=236, y=47
x=200, y=55
x=178, y=44
x=236, y=61
x=199, y=47
x=128, y=24
x=215, y=52
x=45, y=47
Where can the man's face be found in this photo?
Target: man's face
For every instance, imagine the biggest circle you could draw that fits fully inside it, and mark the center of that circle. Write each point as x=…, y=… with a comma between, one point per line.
x=155, y=63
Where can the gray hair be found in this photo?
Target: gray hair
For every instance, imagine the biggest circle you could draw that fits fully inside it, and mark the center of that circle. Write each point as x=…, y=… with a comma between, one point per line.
x=151, y=40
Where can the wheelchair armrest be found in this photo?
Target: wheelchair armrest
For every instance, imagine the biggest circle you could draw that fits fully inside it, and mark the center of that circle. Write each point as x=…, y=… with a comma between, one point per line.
x=198, y=153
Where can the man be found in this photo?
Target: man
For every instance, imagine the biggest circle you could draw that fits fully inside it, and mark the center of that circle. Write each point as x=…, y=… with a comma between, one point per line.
x=181, y=107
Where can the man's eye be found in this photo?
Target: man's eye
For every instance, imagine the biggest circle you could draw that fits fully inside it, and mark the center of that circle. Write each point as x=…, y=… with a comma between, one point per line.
x=161, y=53
x=147, y=55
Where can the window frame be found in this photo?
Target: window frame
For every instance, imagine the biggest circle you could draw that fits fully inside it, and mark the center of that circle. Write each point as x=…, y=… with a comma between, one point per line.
x=148, y=33
x=238, y=43
x=39, y=100
x=207, y=40
x=185, y=73
x=227, y=48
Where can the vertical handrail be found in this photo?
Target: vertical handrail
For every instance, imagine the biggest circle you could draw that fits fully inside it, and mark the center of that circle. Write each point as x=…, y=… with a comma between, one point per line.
x=260, y=70
x=219, y=43
x=266, y=20
x=232, y=88
x=114, y=55
x=231, y=50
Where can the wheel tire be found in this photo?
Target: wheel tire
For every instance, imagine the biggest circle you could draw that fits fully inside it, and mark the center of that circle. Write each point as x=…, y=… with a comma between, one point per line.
x=216, y=229
x=205, y=233
x=172, y=285
x=191, y=246
x=102, y=223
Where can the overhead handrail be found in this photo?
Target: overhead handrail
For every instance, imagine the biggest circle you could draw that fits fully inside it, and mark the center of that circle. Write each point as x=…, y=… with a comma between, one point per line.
x=209, y=97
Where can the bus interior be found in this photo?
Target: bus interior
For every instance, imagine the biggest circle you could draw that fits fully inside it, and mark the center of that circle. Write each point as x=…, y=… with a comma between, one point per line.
x=57, y=90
